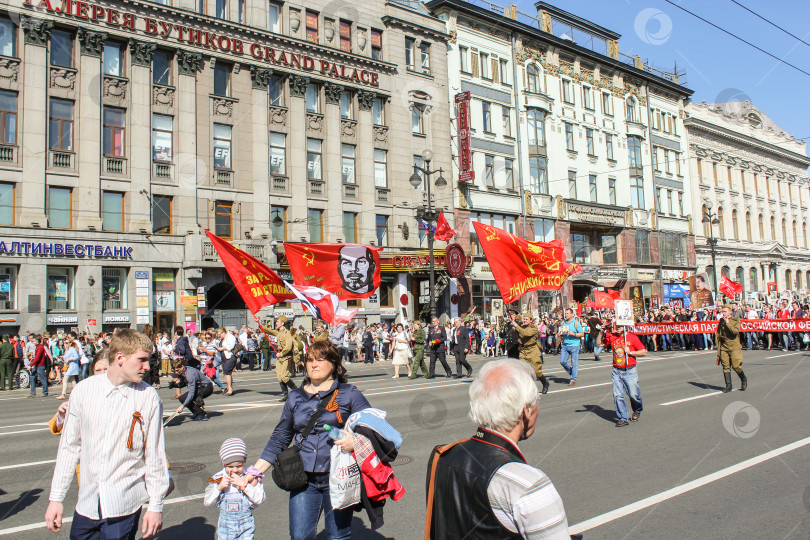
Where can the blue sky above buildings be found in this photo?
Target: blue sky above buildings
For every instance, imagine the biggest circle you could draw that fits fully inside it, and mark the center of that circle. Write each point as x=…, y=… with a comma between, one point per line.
x=718, y=67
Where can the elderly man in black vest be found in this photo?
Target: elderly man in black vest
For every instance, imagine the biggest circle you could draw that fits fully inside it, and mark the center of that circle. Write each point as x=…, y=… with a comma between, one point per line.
x=482, y=487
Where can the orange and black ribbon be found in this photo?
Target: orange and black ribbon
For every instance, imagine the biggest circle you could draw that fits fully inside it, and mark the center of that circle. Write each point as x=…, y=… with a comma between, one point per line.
x=332, y=406
x=136, y=419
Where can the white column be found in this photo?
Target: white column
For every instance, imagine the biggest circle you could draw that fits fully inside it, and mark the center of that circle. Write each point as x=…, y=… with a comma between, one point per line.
x=261, y=155
x=140, y=158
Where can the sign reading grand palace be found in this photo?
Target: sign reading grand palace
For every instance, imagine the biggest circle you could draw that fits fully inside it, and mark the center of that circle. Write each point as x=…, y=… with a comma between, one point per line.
x=188, y=35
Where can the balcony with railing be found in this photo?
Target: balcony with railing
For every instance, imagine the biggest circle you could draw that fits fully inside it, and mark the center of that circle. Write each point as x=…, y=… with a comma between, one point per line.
x=259, y=250
x=223, y=177
x=350, y=191
x=162, y=170
x=62, y=159
x=8, y=154
x=316, y=188
x=279, y=184
x=383, y=195
x=115, y=165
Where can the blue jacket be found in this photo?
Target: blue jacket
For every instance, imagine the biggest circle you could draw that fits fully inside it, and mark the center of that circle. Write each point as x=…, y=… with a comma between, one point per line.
x=298, y=409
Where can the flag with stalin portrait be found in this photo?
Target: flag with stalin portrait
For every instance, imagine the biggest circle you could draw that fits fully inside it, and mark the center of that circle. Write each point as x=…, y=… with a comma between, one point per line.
x=520, y=266
x=258, y=285
x=349, y=271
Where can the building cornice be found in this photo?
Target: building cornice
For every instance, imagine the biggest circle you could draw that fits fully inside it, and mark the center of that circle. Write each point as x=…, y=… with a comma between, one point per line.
x=572, y=48
x=410, y=26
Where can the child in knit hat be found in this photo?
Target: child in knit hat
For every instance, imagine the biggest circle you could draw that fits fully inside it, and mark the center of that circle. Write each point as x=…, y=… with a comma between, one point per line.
x=235, y=496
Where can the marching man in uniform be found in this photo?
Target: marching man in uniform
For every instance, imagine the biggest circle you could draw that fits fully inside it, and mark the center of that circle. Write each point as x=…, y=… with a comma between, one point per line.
x=729, y=348
x=529, y=347
x=284, y=355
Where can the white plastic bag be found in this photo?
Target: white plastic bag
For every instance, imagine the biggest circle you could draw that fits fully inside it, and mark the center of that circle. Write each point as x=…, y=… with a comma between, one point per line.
x=344, y=479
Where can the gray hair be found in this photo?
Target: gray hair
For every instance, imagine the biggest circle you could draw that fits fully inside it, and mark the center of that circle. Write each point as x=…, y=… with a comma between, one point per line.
x=501, y=391
x=457, y=319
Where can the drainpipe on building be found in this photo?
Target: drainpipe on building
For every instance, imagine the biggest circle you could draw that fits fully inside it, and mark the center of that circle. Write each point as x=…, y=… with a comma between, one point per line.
x=655, y=198
x=519, y=133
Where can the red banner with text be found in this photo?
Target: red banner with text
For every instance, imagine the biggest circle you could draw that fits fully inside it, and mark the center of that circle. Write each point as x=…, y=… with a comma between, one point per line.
x=710, y=327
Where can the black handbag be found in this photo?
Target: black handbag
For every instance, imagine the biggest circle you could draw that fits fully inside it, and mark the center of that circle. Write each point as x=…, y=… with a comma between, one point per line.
x=288, y=467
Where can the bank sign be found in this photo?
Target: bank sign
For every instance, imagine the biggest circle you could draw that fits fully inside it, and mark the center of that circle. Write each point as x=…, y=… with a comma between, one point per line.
x=42, y=249
x=188, y=35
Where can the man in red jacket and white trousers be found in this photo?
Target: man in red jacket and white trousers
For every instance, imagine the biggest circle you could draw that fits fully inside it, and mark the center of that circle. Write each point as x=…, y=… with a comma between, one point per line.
x=626, y=348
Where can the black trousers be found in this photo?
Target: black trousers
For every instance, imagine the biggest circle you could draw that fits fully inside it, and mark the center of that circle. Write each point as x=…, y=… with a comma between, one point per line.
x=461, y=360
x=196, y=405
x=440, y=354
x=513, y=352
x=368, y=351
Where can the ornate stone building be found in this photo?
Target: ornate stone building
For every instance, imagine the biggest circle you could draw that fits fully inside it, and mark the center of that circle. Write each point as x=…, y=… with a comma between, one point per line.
x=573, y=140
x=129, y=128
x=753, y=176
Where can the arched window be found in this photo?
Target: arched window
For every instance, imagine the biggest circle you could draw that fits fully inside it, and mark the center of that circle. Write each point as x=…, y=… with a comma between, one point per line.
x=532, y=79
x=722, y=224
x=798, y=279
x=740, y=278
x=753, y=275
x=795, y=236
x=748, y=227
x=788, y=280
x=726, y=271
x=734, y=227
x=761, y=229
x=706, y=225
x=807, y=278
x=784, y=232
x=630, y=110
x=773, y=229
x=710, y=273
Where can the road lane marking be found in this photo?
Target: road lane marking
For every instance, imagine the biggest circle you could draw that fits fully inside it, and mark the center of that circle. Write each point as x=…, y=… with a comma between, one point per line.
x=41, y=524
x=4, y=467
x=788, y=354
x=25, y=425
x=685, y=488
x=695, y=397
x=579, y=387
x=24, y=431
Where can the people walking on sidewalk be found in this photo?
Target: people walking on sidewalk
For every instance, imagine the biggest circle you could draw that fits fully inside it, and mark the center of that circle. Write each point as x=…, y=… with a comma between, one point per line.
x=401, y=355
x=571, y=331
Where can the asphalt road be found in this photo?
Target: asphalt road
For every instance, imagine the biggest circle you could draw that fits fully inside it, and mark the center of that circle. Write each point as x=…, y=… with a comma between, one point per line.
x=698, y=464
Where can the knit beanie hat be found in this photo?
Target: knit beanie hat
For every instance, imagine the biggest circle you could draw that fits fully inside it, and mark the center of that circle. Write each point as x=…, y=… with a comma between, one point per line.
x=233, y=450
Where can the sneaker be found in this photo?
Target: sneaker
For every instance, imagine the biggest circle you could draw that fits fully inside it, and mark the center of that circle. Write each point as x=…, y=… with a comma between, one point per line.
x=622, y=423
x=635, y=417
x=572, y=383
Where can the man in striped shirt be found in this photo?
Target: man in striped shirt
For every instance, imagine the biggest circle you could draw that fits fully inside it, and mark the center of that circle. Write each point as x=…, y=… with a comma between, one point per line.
x=482, y=487
x=114, y=429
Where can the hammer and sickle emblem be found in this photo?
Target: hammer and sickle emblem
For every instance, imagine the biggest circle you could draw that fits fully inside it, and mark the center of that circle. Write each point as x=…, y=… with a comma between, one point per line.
x=310, y=260
x=491, y=234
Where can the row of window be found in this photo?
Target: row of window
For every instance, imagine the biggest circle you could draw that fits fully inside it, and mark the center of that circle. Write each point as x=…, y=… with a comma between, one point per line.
x=739, y=182
x=487, y=66
x=667, y=201
x=60, y=288
x=735, y=228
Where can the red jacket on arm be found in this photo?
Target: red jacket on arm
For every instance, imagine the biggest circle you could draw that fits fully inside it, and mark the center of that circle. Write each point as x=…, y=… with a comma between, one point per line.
x=39, y=356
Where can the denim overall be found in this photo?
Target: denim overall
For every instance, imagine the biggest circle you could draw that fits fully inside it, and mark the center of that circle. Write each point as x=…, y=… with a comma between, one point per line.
x=235, y=517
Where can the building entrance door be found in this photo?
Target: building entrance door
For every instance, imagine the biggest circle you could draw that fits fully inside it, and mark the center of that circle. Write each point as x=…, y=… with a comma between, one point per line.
x=165, y=323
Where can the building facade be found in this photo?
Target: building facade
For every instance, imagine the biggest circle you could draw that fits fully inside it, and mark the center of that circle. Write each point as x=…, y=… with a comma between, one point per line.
x=571, y=140
x=131, y=128
x=752, y=176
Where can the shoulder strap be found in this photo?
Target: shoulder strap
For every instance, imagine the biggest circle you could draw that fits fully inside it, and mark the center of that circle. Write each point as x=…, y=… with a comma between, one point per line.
x=318, y=412
x=434, y=462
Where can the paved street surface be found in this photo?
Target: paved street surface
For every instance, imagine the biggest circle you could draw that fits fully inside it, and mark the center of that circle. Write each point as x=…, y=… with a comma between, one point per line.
x=699, y=464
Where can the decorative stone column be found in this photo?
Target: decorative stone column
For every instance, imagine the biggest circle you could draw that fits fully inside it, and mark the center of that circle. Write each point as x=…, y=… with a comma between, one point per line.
x=364, y=168
x=259, y=80
x=191, y=170
x=332, y=163
x=140, y=128
x=297, y=170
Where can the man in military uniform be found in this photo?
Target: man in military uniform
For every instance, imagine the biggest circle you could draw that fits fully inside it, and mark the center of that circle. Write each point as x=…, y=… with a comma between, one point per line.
x=320, y=333
x=418, y=350
x=298, y=351
x=511, y=339
x=530, y=350
x=436, y=338
x=284, y=354
x=729, y=348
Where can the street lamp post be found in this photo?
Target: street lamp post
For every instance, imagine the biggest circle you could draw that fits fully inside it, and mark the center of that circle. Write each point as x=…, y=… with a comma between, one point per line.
x=711, y=219
x=429, y=215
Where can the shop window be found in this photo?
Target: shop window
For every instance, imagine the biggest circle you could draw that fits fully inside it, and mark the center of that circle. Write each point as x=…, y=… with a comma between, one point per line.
x=161, y=214
x=8, y=38
x=114, y=288
x=113, y=58
x=60, y=125
x=112, y=211
x=8, y=117
x=223, y=219
x=8, y=287
x=161, y=137
x=61, y=48
x=60, y=288
x=163, y=283
x=60, y=202
x=7, y=204
x=162, y=67
x=278, y=152
x=386, y=293
x=315, y=225
x=114, y=131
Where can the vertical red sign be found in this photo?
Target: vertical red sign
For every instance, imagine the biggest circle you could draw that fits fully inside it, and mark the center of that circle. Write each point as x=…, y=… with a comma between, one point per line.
x=466, y=172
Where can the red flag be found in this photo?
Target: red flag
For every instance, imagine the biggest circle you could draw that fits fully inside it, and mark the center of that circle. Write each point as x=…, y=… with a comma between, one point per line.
x=322, y=304
x=578, y=311
x=520, y=266
x=258, y=285
x=590, y=304
x=602, y=300
x=443, y=230
x=729, y=288
x=348, y=270
x=615, y=295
